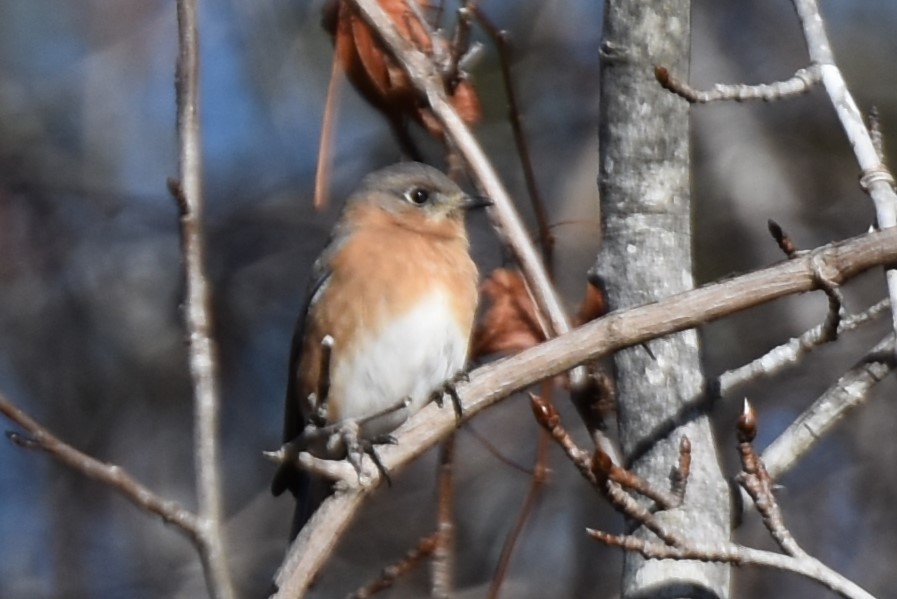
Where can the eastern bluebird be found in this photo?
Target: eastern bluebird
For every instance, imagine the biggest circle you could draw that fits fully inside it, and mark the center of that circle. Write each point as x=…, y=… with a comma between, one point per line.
x=396, y=290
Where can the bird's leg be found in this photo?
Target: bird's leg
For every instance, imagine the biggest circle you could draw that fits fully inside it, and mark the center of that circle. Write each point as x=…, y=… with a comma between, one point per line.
x=368, y=447
x=322, y=393
x=448, y=388
x=348, y=435
x=345, y=437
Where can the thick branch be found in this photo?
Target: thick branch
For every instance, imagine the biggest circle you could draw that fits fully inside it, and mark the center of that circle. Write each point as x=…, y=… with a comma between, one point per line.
x=617, y=330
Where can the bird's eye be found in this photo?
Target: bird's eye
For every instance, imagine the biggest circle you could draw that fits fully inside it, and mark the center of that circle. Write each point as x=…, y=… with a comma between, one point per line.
x=418, y=196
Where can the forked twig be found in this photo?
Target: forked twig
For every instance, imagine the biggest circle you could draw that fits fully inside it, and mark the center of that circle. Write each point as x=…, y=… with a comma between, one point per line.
x=600, y=470
x=835, y=298
x=737, y=555
x=875, y=177
x=758, y=484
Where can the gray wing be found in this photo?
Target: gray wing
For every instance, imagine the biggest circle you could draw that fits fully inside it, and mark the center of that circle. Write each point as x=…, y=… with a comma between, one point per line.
x=294, y=421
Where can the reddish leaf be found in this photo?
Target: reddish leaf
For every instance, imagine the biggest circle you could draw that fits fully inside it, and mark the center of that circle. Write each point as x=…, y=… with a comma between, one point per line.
x=379, y=79
x=510, y=323
x=594, y=305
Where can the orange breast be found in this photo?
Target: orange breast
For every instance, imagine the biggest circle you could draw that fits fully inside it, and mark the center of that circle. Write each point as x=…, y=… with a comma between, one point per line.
x=382, y=272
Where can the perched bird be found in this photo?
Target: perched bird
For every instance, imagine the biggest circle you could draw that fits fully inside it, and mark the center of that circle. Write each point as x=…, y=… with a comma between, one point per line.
x=396, y=290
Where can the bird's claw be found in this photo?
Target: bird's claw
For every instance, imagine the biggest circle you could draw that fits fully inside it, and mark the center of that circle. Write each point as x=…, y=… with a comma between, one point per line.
x=449, y=388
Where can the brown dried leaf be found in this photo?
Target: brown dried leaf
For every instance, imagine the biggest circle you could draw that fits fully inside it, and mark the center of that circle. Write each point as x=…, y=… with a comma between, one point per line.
x=594, y=304
x=466, y=102
x=377, y=77
x=510, y=323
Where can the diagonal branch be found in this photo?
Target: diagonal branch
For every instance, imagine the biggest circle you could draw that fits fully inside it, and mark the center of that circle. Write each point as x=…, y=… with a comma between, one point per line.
x=114, y=476
x=493, y=382
x=849, y=392
x=427, y=79
x=792, y=351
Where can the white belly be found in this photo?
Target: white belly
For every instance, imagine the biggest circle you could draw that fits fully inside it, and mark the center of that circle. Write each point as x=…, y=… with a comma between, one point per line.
x=409, y=358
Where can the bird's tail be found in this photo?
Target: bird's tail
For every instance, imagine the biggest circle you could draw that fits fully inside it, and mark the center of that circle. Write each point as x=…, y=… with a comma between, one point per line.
x=310, y=492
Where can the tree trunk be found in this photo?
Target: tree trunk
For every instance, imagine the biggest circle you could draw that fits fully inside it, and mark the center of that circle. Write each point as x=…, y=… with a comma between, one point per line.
x=646, y=255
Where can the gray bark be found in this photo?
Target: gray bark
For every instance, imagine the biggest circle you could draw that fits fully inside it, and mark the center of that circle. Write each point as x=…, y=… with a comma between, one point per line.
x=646, y=255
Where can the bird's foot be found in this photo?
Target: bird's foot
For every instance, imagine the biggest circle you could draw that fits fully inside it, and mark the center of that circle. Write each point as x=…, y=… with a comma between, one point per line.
x=449, y=388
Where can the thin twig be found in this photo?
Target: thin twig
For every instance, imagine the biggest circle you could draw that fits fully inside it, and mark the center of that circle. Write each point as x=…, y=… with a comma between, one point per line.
x=112, y=475
x=495, y=451
x=502, y=40
x=549, y=419
x=835, y=302
x=793, y=351
x=835, y=298
x=443, y=565
x=325, y=144
x=391, y=574
x=202, y=350
x=627, y=505
x=756, y=481
x=460, y=47
x=537, y=484
x=605, y=469
x=800, y=83
x=599, y=469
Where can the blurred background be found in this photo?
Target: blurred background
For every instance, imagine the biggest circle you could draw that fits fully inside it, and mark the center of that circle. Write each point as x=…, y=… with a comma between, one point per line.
x=91, y=334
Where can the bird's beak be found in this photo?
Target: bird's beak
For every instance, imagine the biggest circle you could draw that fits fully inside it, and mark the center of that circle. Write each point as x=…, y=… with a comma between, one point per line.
x=473, y=202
